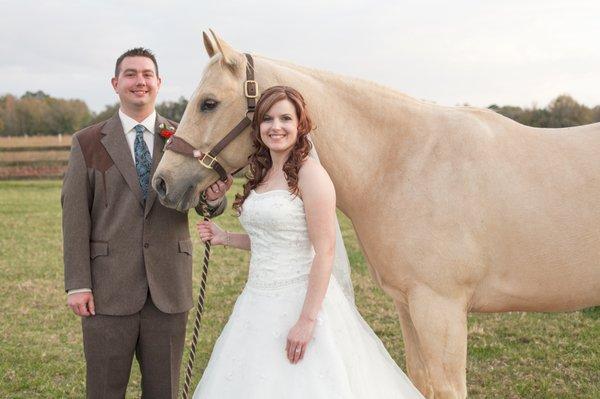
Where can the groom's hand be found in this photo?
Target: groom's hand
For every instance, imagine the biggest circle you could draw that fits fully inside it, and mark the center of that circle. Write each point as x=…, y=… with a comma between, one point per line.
x=82, y=303
x=217, y=190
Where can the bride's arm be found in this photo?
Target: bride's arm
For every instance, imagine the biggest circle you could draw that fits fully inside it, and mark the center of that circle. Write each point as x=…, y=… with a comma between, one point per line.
x=318, y=196
x=237, y=240
x=209, y=231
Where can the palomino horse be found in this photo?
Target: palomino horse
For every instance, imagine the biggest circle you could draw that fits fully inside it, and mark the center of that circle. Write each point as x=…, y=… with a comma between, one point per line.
x=457, y=209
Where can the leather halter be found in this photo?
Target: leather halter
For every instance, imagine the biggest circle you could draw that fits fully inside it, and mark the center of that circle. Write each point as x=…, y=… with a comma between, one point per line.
x=209, y=160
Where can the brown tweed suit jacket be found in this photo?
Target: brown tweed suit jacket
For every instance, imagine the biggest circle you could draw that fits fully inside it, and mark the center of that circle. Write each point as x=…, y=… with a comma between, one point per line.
x=114, y=242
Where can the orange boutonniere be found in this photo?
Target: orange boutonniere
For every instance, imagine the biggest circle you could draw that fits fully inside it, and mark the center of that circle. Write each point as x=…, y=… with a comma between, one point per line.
x=166, y=131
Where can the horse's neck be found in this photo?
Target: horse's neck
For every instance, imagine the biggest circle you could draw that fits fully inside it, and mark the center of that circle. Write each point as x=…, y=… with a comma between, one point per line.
x=360, y=126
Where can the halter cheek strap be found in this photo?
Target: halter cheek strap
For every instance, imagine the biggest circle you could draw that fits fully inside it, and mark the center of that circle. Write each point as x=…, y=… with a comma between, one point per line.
x=209, y=160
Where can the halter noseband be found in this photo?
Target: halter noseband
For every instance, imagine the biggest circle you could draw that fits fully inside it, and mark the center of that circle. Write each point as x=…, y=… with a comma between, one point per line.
x=209, y=160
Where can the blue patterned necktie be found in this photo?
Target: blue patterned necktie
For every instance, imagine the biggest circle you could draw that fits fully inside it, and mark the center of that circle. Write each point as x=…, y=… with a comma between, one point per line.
x=143, y=159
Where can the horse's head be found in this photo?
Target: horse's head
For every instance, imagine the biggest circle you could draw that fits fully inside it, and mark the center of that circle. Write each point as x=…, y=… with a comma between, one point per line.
x=215, y=108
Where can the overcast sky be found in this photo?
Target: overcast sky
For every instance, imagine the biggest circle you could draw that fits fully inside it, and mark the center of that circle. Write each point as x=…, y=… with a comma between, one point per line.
x=450, y=52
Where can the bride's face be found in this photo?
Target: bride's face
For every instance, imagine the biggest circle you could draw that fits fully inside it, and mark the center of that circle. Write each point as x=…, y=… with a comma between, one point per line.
x=279, y=127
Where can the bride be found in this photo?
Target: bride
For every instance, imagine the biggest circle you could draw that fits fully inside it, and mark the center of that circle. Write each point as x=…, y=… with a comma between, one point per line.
x=294, y=331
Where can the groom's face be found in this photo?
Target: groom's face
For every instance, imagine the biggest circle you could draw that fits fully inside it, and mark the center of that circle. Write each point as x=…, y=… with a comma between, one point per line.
x=137, y=83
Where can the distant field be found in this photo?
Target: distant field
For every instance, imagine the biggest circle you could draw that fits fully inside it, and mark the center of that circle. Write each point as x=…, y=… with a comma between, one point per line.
x=35, y=157
x=511, y=355
x=35, y=141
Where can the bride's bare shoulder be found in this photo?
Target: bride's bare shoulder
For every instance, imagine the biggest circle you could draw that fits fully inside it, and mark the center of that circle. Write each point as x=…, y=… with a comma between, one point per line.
x=313, y=176
x=311, y=168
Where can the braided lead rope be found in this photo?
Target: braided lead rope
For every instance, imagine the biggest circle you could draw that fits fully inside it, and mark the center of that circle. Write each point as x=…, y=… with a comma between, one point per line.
x=199, y=311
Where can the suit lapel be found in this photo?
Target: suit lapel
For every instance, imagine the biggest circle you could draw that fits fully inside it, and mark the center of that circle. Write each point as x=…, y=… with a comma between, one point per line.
x=116, y=144
x=159, y=143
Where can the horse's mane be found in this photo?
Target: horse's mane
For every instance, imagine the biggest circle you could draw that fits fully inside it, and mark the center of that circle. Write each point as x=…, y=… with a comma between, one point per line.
x=364, y=84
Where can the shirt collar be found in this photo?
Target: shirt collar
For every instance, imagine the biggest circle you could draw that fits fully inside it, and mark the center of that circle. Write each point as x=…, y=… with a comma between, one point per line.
x=129, y=123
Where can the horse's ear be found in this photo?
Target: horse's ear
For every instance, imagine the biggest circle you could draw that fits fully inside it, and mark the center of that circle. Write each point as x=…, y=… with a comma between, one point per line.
x=208, y=45
x=231, y=57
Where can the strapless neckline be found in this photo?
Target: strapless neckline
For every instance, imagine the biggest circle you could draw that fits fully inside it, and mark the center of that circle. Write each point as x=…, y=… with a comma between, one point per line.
x=271, y=191
x=276, y=191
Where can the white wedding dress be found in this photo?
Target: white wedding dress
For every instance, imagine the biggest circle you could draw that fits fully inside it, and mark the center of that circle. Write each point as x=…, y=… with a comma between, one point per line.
x=345, y=359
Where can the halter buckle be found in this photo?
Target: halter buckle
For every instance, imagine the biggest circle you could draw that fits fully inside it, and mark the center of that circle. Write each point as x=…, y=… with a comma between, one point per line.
x=248, y=89
x=208, y=165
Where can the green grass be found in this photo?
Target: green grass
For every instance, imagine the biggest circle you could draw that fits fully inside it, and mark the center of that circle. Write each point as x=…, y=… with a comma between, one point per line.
x=514, y=355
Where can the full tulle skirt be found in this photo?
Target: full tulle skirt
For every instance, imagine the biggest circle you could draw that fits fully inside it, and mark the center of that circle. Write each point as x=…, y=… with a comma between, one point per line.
x=345, y=359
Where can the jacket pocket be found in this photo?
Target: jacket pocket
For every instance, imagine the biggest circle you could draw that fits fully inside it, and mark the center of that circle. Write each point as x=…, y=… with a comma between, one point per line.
x=98, y=248
x=185, y=246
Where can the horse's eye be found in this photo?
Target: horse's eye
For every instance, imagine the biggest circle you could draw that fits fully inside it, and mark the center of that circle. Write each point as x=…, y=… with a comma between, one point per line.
x=208, y=105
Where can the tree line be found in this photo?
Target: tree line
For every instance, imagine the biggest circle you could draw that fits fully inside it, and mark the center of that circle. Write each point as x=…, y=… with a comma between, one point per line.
x=563, y=111
x=38, y=114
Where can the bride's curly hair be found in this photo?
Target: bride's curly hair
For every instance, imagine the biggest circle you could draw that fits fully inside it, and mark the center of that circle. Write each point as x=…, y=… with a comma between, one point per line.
x=260, y=160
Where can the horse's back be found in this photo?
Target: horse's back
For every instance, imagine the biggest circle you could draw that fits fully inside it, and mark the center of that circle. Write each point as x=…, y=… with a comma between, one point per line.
x=541, y=233
x=527, y=204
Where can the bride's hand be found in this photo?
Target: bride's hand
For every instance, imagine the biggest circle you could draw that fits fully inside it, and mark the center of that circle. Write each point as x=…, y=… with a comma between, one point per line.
x=209, y=231
x=298, y=339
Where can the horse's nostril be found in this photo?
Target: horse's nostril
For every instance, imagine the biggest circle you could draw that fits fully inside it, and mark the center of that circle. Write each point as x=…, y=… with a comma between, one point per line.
x=161, y=187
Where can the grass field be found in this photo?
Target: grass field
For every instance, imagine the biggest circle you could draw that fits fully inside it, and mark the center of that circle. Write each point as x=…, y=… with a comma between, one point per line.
x=512, y=355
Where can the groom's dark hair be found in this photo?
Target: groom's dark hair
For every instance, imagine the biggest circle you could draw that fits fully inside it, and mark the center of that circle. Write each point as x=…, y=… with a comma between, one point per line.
x=136, y=52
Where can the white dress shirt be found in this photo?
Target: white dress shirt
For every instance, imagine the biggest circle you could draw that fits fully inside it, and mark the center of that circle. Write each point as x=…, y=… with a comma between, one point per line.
x=129, y=123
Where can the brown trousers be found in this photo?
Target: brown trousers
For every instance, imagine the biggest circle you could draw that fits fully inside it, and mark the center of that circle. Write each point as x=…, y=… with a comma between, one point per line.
x=156, y=339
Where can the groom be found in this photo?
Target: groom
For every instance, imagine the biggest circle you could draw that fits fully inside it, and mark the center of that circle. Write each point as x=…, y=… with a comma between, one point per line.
x=128, y=259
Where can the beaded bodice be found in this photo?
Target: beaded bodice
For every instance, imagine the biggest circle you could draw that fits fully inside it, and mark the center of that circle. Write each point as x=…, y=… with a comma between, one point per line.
x=281, y=252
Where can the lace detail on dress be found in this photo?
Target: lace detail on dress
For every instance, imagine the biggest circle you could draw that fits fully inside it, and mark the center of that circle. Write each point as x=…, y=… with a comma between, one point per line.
x=281, y=252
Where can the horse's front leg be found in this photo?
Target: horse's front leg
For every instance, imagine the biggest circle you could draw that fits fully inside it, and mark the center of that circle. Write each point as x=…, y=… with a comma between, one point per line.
x=441, y=328
x=415, y=366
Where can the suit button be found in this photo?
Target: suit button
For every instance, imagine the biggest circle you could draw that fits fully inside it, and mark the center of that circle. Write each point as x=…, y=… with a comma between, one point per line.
x=146, y=245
